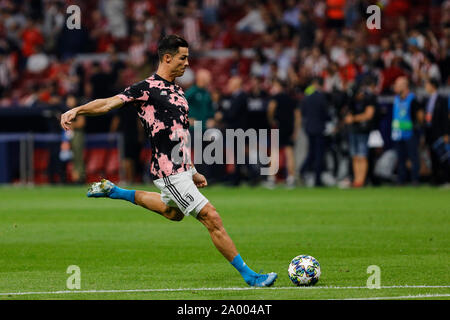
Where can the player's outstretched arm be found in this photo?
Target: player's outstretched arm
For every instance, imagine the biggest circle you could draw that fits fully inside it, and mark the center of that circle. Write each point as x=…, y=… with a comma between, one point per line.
x=94, y=108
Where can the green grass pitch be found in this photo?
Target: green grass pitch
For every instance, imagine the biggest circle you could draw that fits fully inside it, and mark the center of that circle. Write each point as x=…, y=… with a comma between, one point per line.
x=126, y=252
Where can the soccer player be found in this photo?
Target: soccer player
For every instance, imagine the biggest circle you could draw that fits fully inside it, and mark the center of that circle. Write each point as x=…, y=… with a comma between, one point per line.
x=163, y=111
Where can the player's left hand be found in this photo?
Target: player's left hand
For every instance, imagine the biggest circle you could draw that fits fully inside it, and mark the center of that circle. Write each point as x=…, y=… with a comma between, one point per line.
x=199, y=180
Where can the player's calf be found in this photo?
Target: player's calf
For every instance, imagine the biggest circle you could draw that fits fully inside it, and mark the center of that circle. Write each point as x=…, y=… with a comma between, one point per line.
x=210, y=218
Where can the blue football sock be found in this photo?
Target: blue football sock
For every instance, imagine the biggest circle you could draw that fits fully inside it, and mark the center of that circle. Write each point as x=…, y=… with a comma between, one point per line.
x=119, y=193
x=247, y=273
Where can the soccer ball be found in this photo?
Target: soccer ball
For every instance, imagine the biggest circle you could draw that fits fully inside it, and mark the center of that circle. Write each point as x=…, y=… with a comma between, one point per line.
x=304, y=270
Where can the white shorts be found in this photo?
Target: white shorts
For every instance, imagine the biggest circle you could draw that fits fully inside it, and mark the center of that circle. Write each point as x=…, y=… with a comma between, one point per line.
x=179, y=190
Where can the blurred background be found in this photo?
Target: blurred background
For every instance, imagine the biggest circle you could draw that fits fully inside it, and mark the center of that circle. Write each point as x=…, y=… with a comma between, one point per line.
x=310, y=68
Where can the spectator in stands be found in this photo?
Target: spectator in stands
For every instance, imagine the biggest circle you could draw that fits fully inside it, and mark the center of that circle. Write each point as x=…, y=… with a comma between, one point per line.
x=283, y=59
x=114, y=10
x=116, y=66
x=257, y=105
x=77, y=143
x=332, y=78
x=233, y=117
x=14, y=22
x=6, y=75
x=54, y=20
x=191, y=25
x=136, y=51
x=257, y=119
x=444, y=54
x=314, y=114
x=31, y=38
x=259, y=66
x=210, y=12
x=253, y=21
x=437, y=127
x=387, y=54
x=199, y=99
x=239, y=66
x=338, y=51
x=391, y=73
x=429, y=68
x=99, y=82
x=353, y=12
x=59, y=150
x=72, y=41
x=306, y=30
x=200, y=109
x=291, y=13
x=335, y=14
x=126, y=122
x=219, y=37
x=350, y=70
x=100, y=34
x=407, y=117
x=38, y=61
x=360, y=118
x=414, y=57
x=281, y=116
x=316, y=62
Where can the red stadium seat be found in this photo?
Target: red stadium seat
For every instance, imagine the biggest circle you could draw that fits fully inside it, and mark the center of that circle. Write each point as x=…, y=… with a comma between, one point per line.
x=40, y=164
x=95, y=164
x=113, y=165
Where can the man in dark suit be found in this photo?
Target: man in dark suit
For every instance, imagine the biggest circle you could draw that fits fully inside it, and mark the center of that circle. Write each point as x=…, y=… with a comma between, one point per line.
x=436, y=127
x=233, y=115
x=314, y=115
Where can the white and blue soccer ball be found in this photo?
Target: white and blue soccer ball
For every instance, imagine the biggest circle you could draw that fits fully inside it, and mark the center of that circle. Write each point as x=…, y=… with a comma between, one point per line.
x=304, y=270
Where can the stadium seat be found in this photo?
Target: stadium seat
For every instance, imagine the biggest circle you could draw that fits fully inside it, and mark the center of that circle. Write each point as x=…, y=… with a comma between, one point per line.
x=113, y=165
x=95, y=164
x=40, y=164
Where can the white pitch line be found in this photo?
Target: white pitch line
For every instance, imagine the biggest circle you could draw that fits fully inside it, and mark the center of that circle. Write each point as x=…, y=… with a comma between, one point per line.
x=214, y=289
x=403, y=297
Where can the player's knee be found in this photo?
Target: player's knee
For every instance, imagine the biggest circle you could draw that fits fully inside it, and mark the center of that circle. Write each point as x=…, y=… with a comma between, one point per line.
x=210, y=218
x=177, y=217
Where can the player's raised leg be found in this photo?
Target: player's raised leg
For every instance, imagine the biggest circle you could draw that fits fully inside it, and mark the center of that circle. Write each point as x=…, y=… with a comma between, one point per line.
x=148, y=200
x=210, y=218
x=152, y=201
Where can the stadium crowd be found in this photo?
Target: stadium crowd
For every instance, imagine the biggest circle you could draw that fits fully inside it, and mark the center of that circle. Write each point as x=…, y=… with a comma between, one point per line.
x=310, y=68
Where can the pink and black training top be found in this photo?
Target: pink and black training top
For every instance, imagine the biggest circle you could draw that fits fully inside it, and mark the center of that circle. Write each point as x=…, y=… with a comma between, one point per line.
x=163, y=111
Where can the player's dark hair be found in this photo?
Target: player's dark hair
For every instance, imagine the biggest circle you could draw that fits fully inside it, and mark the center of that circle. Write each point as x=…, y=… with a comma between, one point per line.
x=170, y=44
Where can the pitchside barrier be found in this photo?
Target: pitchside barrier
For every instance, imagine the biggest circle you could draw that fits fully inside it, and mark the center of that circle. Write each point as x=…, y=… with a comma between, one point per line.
x=35, y=158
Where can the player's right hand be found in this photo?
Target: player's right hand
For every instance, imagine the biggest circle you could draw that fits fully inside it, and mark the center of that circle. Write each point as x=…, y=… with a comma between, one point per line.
x=67, y=118
x=199, y=180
